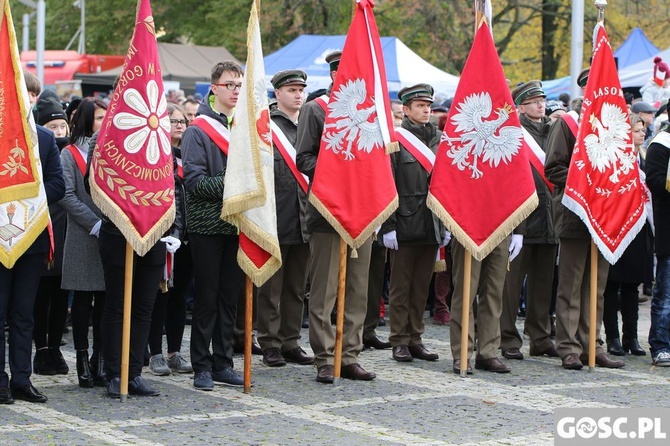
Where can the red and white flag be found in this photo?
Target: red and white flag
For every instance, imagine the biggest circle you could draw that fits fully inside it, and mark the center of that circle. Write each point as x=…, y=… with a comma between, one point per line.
x=23, y=202
x=132, y=169
x=603, y=186
x=482, y=186
x=353, y=186
x=248, y=192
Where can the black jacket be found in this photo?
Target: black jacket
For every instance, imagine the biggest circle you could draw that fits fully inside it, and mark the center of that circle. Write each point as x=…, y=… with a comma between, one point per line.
x=656, y=166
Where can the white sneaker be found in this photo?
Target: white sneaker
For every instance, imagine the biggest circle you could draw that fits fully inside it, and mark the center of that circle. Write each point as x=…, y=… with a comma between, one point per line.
x=158, y=366
x=179, y=364
x=662, y=359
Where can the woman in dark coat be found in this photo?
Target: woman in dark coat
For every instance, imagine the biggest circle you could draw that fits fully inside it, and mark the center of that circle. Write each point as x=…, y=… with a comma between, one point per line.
x=633, y=268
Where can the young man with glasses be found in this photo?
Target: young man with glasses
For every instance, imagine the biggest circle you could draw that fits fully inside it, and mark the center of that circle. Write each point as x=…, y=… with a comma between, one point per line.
x=214, y=242
x=537, y=258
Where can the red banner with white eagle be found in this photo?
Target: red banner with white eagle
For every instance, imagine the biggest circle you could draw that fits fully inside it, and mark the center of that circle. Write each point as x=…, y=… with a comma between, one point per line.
x=353, y=186
x=482, y=185
x=23, y=202
x=248, y=192
x=603, y=186
x=132, y=169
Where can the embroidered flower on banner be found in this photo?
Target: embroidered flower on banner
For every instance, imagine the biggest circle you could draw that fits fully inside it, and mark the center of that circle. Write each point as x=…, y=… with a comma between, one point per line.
x=149, y=120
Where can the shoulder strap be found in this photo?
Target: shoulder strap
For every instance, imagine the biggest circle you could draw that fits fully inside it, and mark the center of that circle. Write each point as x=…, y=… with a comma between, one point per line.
x=78, y=158
x=536, y=156
x=216, y=131
x=417, y=148
x=571, y=119
x=287, y=152
x=323, y=102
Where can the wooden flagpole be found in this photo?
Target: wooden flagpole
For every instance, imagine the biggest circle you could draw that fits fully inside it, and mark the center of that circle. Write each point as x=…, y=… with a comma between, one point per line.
x=465, y=313
x=339, y=326
x=127, y=305
x=248, y=326
x=593, y=289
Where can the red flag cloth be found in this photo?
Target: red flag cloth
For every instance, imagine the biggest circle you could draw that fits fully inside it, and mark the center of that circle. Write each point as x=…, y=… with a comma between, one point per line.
x=132, y=171
x=23, y=202
x=353, y=186
x=248, y=192
x=603, y=186
x=482, y=185
x=18, y=168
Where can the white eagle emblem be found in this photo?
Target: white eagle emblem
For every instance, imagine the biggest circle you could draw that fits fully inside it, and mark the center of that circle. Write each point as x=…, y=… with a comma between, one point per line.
x=608, y=143
x=353, y=124
x=482, y=138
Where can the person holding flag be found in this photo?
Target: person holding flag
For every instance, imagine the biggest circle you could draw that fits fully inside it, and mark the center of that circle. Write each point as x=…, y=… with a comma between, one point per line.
x=413, y=233
x=214, y=242
x=31, y=178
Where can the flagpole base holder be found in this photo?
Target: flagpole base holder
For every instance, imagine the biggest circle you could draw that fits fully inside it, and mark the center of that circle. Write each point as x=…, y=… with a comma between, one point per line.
x=124, y=398
x=591, y=369
x=337, y=381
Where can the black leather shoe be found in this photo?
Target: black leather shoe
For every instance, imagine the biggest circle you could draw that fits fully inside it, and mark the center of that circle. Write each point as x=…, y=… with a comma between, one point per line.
x=419, y=351
x=28, y=393
x=614, y=347
x=238, y=347
x=42, y=363
x=6, y=395
x=325, y=374
x=84, y=374
x=494, y=365
x=551, y=352
x=58, y=361
x=376, y=343
x=356, y=372
x=114, y=388
x=512, y=353
x=401, y=353
x=602, y=360
x=298, y=356
x=456, y=367
x=272, y=358
x=138, y=386
x=633, y=346
x=98, y=369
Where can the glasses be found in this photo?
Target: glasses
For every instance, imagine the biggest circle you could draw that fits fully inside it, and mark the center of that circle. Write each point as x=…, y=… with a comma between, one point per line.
x=539, y=102
x=232, y=86
x=177, y=122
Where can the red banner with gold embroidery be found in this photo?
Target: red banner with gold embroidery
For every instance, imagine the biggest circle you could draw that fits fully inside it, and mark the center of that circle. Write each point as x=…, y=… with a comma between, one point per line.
x=132, y=169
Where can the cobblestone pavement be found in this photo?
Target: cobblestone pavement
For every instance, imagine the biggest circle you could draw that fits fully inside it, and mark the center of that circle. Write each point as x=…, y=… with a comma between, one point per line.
x=416, y=403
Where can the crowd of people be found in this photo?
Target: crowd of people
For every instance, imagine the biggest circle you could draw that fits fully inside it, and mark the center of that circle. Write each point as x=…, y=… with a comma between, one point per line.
x=411, y=257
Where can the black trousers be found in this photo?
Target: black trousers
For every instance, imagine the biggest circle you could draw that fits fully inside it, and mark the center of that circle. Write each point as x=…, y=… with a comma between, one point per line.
x=218, y=284
x=50, y=312
x=147, y=273
x=18, y=289
x=170, y=308
x=621, y=297
x=82, y=305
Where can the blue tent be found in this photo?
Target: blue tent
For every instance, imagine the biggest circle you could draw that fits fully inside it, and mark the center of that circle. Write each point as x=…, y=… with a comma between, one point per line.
x=635, y=48
x=403, y=66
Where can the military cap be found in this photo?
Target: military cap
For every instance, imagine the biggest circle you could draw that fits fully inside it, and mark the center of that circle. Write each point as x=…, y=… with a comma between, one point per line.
x=333, y=59
x=527, y=90
x=423, y=92
x=583, y=77
x=289, y=77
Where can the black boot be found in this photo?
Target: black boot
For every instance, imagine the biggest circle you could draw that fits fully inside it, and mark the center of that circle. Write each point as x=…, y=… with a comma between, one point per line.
x=59, y=363
x=98, y=369
x=84, y=369
x=633, y=346
x=614, y=347
x=42, y=363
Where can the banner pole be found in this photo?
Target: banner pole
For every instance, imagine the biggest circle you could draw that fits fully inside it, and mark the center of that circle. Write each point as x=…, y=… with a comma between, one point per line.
x=339, y=327
x=593, y=305
x=465, y=313
x=127, y=305
x=248, y=326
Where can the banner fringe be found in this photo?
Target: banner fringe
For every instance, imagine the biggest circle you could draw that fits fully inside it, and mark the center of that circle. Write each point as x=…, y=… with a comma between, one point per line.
x=8, y=259
x=392, y=147
x=440, y=266
x=479, y=252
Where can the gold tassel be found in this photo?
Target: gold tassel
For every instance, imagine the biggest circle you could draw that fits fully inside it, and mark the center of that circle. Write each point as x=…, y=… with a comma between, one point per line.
x=354, y=253
x=391, y=147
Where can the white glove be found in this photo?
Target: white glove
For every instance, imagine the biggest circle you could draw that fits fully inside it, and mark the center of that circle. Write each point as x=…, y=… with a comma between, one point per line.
x=390, y=240
x=96, y=229
x=172, y=244
x=515, y=246
x=445, y=240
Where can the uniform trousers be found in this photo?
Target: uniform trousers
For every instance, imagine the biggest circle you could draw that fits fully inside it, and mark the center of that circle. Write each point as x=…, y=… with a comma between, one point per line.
x=535, y=262
x=147, y=273
x=324, y=259
x=487, y=276
x=411, y=271
x=375, y=290
x=280, y=301
x=572, y=301
x=218, y=283
x=18, y=288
